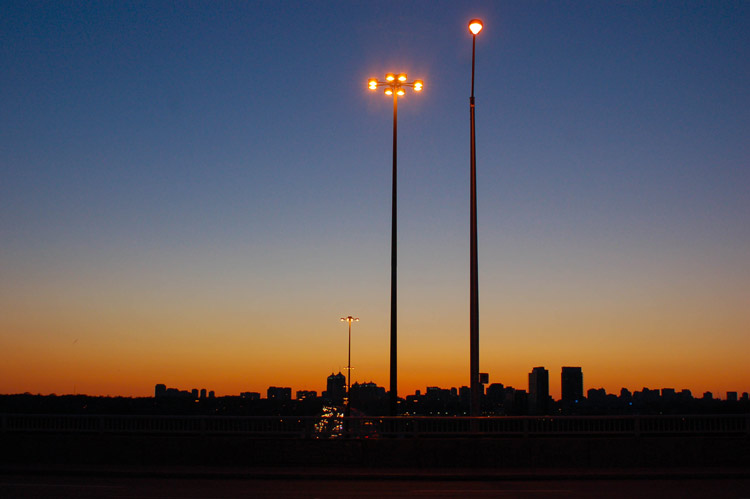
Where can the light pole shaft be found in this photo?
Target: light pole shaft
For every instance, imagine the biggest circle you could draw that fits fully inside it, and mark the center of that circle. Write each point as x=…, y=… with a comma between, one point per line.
x=349, y=366
x=394, y=336
x=474, y=267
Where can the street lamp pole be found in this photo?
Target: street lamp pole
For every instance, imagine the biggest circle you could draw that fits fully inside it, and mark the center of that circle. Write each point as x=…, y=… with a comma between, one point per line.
x=394, y=85
x=349, y=319
x=475, y=26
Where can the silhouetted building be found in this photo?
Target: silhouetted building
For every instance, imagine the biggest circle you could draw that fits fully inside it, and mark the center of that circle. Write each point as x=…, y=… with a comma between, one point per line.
x=464, y=396
x=279, y=393
x=203, y=393
x=495, y=395
x=161, y=391
x=306, y=394
x=335, y=388
x=369, y=398
x=539, y=391
x=250, y=395
x=668, y=395
x=596, y=395
x=571, y=383
x=626, y=395
x=732, y=396
x=516, y=402
x=194, y=393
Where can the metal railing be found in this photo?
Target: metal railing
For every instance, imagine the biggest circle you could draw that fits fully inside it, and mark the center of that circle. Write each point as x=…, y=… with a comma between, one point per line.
x=372, y=427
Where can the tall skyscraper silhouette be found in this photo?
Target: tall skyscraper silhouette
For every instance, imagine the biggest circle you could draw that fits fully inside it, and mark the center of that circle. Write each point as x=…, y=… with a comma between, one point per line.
x=539, y=391
x=571, y=383
x=335, y=388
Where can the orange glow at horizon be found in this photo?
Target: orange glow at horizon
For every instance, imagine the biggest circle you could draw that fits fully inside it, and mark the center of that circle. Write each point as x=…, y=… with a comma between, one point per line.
x=82, y=363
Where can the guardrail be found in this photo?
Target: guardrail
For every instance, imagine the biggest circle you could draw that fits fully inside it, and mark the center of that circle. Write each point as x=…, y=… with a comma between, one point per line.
x=372, y=427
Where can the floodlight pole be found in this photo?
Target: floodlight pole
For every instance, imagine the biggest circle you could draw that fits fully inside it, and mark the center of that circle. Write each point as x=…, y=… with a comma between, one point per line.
x=393, y=402
x=394, y=85
x=475, y=409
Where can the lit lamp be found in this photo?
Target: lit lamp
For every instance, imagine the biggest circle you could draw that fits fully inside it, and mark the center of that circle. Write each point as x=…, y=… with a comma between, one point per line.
x=394, y=85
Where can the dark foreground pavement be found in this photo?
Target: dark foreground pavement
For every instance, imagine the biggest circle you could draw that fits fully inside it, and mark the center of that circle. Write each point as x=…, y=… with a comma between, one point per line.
x=367, y=485
x=308, y=483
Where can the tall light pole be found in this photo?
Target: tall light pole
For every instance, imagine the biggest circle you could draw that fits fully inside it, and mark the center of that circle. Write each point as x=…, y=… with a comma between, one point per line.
x=349, y=319
x=475, y=26
x=394, y=85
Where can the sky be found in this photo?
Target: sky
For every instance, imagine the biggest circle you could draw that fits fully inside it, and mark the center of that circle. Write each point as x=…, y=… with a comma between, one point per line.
x=194, y=193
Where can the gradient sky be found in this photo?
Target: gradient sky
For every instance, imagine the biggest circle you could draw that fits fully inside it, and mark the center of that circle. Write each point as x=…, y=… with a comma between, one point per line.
x=193, y=193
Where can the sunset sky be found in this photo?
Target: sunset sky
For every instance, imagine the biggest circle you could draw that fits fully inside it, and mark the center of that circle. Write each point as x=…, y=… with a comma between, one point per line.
x=193, y=193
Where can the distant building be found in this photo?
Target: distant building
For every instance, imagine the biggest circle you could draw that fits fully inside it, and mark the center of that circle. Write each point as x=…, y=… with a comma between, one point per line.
x=685, y=395
x=335, y=388
x=625, y=395
x=306, y=394
x=211, y=394
x=539, y=391
x=732, y=396
x=279, y=393
x=596, y=395
x=203, y=393
x=571, y=383
x=250, y=395
x=368, y=397
x=160, y=390
x=668, y=395
x=495, y=394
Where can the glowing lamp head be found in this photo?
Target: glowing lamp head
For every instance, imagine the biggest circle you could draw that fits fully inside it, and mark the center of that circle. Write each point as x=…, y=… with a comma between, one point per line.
x=475, y=26
x=402, y=77
x=372, y=83
x=418, y=85
x=390, y=77
x=388, y=91
x=400, y=91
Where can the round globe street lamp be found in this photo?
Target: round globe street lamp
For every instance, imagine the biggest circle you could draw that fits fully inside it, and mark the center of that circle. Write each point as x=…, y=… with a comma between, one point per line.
x=394, y=85
x=349, y=319
x=475, y=26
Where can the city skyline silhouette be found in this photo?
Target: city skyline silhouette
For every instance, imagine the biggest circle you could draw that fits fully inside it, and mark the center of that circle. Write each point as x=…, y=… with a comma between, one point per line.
x=195, y=194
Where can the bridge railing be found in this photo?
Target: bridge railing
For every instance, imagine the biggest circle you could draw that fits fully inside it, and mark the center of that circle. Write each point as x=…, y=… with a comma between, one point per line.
x=372, y=427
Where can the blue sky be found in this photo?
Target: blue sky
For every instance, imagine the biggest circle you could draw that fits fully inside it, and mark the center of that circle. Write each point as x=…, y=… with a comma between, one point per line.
x=223, y=164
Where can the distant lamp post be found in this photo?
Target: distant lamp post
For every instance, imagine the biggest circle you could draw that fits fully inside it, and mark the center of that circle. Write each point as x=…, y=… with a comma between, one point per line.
x=394, y=85
x=349, y=319
x=475, y=26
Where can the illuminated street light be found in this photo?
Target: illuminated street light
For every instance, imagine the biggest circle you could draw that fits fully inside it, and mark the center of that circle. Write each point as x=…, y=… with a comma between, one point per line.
x=394, y=86
x=475, y=26
x=349, y=319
